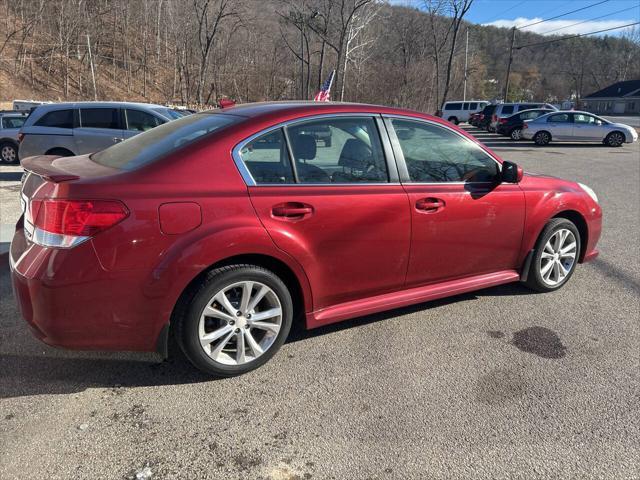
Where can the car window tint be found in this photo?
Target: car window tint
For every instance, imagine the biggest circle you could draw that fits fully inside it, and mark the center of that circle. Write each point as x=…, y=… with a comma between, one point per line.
x=159, y=142
x=453, y=106
x=141, y=121
x=267, y=159
x=437, y=154
x=57, y=118
x=560, y=118
x=465, y=106
x=507, y=110
x=100, y=118
x=12, y=122
x=473, y=106
x=339, y=150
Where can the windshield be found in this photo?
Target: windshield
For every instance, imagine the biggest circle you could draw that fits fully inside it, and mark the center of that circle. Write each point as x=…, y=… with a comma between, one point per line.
x=168, y=113
x=160, y=141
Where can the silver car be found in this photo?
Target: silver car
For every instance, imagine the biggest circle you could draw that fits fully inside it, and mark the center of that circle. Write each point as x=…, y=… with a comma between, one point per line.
x=573, y=126
x=10, y=124
x=78, y=128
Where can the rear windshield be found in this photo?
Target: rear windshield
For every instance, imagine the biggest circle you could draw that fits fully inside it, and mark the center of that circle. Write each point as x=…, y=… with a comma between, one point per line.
x=168, y=113
x=160, y=141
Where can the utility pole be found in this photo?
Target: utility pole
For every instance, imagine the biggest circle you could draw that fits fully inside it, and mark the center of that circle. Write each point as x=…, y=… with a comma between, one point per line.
x=506, y=83
x=466, y=54
x=93, y=75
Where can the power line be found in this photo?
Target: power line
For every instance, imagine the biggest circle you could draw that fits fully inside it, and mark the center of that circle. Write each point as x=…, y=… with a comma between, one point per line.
x=562, y=15
x=575, y=36
x=590, y=20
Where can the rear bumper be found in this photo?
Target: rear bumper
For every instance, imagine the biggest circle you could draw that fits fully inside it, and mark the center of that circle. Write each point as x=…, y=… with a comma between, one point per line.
x=68, y=299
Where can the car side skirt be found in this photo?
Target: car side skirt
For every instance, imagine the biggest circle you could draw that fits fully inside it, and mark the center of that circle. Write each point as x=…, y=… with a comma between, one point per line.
x=389, y=301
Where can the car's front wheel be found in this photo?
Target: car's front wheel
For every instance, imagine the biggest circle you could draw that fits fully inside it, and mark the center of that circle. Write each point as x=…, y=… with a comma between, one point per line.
x=615, y=139
x=235, y=321
x=542, y=138
x=555, y=256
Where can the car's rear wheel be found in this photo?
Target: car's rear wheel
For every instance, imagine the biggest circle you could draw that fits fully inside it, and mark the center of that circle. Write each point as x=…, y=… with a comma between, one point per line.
x=8, y=153
x=235, y=321
x=615, y=139
x=453, y=120
x=516, y=134
x=542, y=138
x=555, y=256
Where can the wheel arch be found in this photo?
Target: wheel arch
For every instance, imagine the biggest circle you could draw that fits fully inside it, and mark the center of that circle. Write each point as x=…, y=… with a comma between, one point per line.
x=278, y=266
x=581, y=224
x=621, y=132
x=58, y=150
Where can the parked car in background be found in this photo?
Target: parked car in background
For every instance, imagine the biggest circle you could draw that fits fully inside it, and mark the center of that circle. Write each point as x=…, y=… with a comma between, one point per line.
x=68, y=129
x=456, y=112
x=10, y=124
x=485, y=116
x=572, y=126
x=229, y=244
x=512, y=126
x=507, y=109
x=474, y=117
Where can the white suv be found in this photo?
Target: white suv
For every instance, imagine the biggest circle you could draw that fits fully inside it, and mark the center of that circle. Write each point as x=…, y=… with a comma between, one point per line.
x=456, y=112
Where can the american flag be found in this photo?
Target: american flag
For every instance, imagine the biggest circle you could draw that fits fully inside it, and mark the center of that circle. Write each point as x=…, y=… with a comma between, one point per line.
x=324, y=94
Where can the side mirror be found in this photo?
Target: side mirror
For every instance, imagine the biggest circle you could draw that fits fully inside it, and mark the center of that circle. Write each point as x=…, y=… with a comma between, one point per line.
x=511, y=173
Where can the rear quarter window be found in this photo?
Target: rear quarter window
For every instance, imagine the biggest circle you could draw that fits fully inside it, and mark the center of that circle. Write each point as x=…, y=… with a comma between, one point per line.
x=161, y=141
x=57, y=119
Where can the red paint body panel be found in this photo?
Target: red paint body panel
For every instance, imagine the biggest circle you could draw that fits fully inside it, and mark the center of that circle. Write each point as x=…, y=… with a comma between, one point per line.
x=361, y=249
x=355, y=243
x=179, y=217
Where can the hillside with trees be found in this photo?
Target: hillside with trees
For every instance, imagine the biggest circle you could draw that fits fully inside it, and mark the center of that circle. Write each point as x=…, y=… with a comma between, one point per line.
x=195, y=52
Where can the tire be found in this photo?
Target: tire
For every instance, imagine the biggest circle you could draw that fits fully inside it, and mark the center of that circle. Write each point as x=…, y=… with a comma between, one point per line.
x=453, y=120
x=516, y=134
x=543, y=278
x=8, y=153
x=615, y=139
x=542, y=138
x=490, y=129
x=220, y=356
x=61, y=152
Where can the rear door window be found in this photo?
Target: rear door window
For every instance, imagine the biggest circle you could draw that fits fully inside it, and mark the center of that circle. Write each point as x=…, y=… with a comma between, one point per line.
x=559, y=118
x=267, y=159
x=100, y=118
x=507, y=110
x=57, y=119
x=140, y=121
x=473, y=106
x=13, y=122
x=351, y=151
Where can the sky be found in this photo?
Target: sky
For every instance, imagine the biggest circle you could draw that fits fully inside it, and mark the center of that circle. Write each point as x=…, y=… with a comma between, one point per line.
x=509, y=13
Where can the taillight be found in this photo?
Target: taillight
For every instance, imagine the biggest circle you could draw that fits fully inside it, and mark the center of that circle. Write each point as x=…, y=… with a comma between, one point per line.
x=494, y=118
x=66, y=223
x=525, y=125
x=481, y=116
x=503, y=120
x=20, y=137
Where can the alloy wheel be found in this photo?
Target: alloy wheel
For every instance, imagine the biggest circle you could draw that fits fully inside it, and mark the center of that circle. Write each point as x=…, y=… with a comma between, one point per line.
x=240, y=323
x=558, y=257
x=615, y=139
x=516, y=134
x=8, y=154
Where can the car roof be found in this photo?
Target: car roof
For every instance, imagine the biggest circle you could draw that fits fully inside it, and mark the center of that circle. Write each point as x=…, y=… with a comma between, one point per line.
x=61, y=105
x=252, y=110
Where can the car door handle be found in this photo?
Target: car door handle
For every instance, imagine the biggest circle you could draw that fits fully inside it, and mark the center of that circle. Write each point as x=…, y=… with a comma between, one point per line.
x=291, y=210
x=117, y=139
x=430, y=205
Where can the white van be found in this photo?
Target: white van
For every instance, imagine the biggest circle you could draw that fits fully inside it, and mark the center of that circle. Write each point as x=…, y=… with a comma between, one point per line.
x=456, y=112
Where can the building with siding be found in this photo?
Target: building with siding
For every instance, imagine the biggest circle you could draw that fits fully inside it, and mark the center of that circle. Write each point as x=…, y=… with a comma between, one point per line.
x=617, y=99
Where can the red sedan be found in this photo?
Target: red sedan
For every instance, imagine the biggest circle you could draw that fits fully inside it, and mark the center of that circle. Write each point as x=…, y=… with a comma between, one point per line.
x=225, y=227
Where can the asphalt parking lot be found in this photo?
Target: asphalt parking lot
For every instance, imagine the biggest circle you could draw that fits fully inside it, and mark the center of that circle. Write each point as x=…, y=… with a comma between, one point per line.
x=501, y=383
